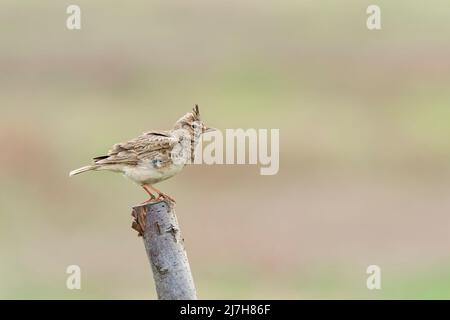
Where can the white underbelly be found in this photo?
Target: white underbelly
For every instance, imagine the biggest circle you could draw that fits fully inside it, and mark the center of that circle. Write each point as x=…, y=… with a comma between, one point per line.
x=149, y=174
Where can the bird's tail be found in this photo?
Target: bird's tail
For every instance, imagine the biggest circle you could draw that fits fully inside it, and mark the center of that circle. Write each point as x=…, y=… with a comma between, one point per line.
x=83, y=169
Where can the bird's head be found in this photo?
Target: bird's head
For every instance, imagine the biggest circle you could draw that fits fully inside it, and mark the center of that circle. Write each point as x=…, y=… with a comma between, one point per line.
x=192, y=123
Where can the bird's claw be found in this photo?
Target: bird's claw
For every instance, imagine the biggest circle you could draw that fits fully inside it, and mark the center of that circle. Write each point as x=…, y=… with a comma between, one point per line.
x=150, y=200
x=163, y=196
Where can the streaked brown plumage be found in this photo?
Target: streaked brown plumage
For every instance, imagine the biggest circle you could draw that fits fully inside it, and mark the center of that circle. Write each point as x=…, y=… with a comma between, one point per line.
x=154, y=156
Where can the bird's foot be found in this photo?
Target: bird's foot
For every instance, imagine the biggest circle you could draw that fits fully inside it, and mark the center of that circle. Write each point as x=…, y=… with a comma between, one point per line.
x=152, y=199
x=163, y=196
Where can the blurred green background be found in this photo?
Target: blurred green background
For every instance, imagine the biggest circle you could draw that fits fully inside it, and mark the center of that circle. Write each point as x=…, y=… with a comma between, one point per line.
x=364, y=119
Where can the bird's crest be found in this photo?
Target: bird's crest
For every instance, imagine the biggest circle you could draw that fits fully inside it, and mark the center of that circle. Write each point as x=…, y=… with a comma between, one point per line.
x=189, y=117
x=196, y=112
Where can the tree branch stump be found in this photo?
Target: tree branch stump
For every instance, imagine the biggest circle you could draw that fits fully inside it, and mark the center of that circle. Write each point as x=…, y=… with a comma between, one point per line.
x=158, y=225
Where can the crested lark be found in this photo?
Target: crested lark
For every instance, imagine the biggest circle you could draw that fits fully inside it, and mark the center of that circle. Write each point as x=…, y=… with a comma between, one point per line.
x=154, y=156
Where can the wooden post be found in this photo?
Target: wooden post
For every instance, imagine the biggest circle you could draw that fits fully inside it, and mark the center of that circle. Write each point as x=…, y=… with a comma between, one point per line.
x=157, y=223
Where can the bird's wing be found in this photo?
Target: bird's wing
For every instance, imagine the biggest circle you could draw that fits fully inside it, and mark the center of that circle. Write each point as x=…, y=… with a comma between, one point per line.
x=147, y=146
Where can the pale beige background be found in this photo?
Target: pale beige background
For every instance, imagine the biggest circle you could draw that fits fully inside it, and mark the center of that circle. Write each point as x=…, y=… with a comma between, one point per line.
x=364, y=122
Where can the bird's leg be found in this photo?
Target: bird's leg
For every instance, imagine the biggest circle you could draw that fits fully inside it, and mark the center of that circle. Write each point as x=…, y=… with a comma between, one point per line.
x=148, y=188
x=162, y=195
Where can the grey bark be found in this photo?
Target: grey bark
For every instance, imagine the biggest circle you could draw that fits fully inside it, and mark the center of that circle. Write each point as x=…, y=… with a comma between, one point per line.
x=158, y=225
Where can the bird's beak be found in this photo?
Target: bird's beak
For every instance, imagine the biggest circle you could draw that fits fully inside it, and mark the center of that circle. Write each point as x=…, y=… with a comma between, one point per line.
x=209, y=129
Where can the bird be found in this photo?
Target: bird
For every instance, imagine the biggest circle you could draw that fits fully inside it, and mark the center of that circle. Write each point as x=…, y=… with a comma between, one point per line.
x=154, y=156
